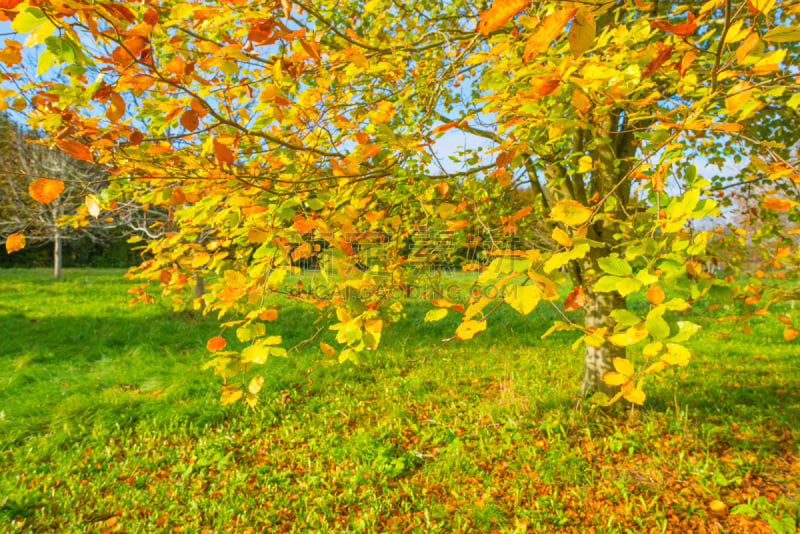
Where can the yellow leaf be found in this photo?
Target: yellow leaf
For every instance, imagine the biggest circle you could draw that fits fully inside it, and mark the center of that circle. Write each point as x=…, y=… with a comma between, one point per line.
x=570, y=212
x=615, y=379
x=92, y=205
x=255, y=353
x=234, y=278
x=635, y=396
x=200, y=258
x=15, y=242
x=256, y=235
x=585, y=164
x=631, y=336
x=45, y=190
x=582, y=32
x=523, y=298
x=656, y=367
x=764, y=6
x=738, y=97
x=327, y=349
x=255, y=384
x=677, y=355
x=435, y=315
x=230, y=396
x=468, y=329
x=476, y=307
x=623, y=366
x=561, y=237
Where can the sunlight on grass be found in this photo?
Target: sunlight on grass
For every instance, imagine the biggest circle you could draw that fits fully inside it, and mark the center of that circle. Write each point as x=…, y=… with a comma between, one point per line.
x=107, y=423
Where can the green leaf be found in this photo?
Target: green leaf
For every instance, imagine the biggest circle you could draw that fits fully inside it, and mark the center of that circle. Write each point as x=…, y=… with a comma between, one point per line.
x=562, y=258
x=686, y=329
x=606, y=284
x=615, y=265
x=782, y=34
x=656, y=326
x=625, y=318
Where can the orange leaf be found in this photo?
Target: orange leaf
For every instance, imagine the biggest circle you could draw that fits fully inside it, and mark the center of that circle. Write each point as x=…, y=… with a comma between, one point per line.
x=664, y=54
x=11, y=55
x=746, y=47
x=655, y=295
x=546, y=32
x=75, y=149
x=500, y=13
x=45, y=190
x=175, y=65
x=189, y=120
x=790, y=333
x=371, y=150
x=268, y=315
x=116, y=109
x=779, y=204
x=581, y=101
x=575, y=300
x=222, y=153
x=216, y=343
x=15, y=242
x=683, y=65
x=684, y=29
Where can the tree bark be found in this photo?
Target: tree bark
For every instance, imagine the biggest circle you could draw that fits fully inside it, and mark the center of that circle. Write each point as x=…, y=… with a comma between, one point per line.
x=57, y=254
x=599, y=360
x=199, y=291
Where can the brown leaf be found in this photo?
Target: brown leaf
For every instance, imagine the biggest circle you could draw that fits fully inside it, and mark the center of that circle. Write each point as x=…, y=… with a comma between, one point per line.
x=223, y=153
x=189, y=120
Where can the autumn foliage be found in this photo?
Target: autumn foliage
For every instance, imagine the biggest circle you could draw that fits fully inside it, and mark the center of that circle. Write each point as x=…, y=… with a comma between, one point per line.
x=288, y=134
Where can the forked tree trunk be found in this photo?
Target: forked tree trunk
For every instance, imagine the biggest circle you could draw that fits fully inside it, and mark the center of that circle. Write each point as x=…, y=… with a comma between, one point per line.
x=598, y=360
x=57, y=254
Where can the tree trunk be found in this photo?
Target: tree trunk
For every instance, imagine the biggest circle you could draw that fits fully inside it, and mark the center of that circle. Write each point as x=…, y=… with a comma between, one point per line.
x=57, y=254
x=199, y=291
x=598, y=360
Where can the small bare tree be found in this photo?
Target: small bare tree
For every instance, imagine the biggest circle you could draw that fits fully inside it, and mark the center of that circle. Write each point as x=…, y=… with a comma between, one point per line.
x=22, y=161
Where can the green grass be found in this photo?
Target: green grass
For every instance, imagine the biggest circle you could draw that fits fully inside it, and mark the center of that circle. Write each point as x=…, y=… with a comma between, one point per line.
x=108, y=424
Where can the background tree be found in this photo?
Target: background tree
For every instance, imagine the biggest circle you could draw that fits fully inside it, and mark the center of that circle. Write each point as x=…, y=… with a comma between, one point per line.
x=319, y=121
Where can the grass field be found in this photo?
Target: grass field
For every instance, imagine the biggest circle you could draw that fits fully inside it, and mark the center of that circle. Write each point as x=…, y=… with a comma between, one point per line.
x=107, y=424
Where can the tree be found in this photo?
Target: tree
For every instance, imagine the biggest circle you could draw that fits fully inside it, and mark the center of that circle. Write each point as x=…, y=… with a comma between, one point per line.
x=267, y=128
x=40, y=187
